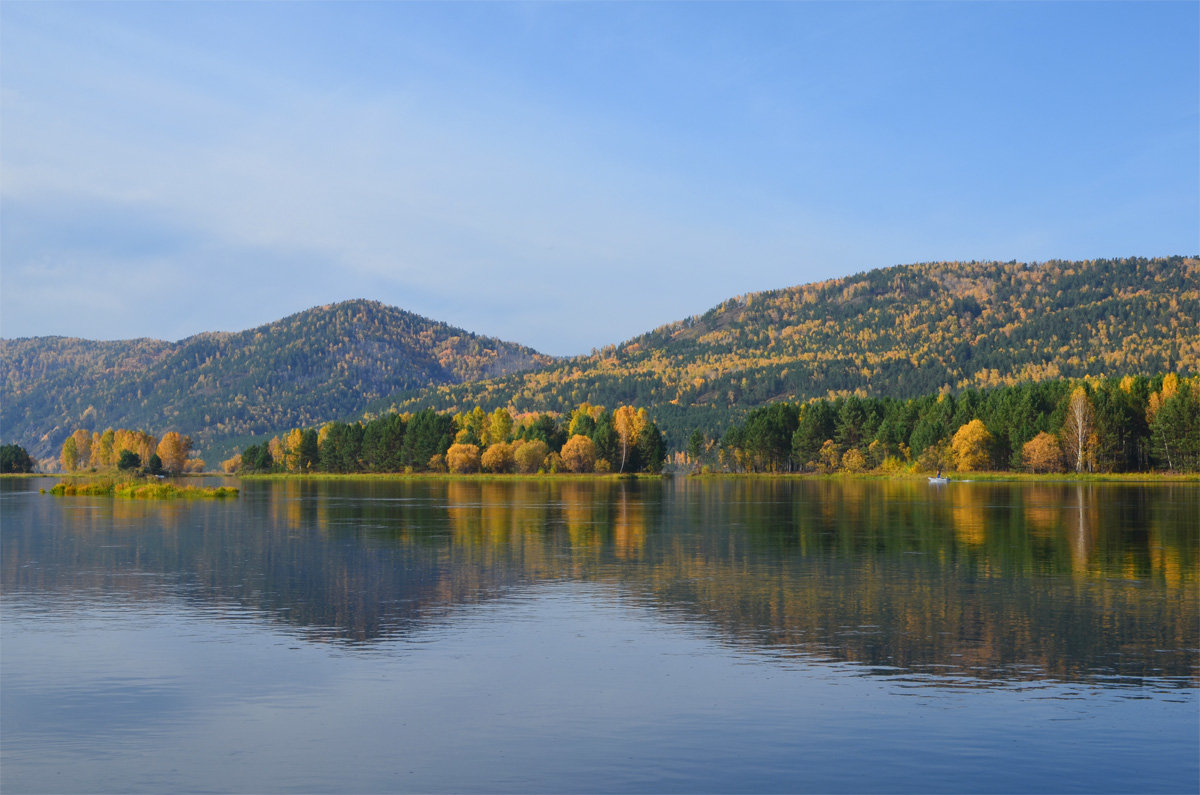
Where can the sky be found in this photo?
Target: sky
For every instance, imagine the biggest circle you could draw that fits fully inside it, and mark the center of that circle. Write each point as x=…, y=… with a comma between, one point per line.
x=568, y=175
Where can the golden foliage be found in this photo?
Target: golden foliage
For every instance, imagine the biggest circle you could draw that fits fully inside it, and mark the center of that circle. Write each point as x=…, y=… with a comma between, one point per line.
x=579, y=454
x=854, y=461
x=971, y=446
x=628, y=422
x=463, y=459
x=530, y=455
x=173, y=450
x=1077, y=435
x=1042, y=454
x=498, y=458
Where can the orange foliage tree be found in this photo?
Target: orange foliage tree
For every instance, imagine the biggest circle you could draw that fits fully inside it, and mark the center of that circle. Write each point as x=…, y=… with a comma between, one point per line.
x=628, y=422
x=1042, y=454
x=463, y=459
x=579, y=454
x=498, y=458
x=173, y=450
x=972, y=446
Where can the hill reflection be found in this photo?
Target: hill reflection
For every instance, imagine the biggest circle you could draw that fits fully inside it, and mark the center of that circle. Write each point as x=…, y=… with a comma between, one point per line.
x=987, y=581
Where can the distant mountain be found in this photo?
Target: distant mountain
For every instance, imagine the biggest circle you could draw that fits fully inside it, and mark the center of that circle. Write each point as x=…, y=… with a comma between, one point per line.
x=324, y=363
x=902, y=331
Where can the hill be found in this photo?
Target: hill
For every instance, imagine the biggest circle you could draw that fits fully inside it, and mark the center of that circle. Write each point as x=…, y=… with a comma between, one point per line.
x=901, y=332
x=313, y=366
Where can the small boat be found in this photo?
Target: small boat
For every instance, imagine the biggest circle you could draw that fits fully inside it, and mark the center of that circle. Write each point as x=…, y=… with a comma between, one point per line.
x=939, y=480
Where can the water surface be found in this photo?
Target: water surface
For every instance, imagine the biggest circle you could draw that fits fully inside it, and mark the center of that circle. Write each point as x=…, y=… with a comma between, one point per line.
x=699, y=636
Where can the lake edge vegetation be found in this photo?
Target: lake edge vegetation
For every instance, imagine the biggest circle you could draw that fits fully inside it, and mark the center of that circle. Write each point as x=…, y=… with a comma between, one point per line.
x=591, y=439
x=1134, y=424
x=140, y=489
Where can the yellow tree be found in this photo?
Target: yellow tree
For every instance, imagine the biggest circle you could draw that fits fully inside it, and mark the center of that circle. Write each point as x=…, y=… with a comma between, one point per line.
x=291, y=456
x=499, y=427
x=853, y=460
x=530, y=455
x=472, y=426
x=628, y=423
x=323, y=434
x=83, y=447
x=69, y=455
x=579, y=454
x=1077, y=432
x=146, y=444
x=276, y=448
x=1042, y=454
x=1170, y=386
x=830, y=456
x=173, y=451
x=972, y=447
x=104, y=453
x=463, y=459
x=498, y=458
x=583, y=418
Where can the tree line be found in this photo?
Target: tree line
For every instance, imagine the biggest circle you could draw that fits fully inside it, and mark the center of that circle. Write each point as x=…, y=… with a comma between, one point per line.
x=1129, y=424
x=128, y=451
x=587, y=439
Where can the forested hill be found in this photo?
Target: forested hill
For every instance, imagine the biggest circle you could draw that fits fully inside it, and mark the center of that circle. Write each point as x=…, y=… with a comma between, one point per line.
x=900, y=332
x=308, y=368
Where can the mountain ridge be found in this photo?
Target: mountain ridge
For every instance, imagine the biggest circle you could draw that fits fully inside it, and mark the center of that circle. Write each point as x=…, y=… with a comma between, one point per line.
x=316, y=364
x=901, y=331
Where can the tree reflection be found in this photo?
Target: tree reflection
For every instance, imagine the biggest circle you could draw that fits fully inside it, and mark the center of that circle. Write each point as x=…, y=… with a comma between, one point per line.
x=989, y=581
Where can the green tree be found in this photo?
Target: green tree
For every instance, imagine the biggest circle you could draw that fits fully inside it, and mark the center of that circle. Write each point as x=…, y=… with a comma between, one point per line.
x=309, y=451
x=1175, y=429
x=14, y=458
x=651, y=449
x=428, y=434
x=695, y=449
x=815, y=423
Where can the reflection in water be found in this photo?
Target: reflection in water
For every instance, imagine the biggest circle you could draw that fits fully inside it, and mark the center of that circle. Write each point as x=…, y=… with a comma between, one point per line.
x=987, y=581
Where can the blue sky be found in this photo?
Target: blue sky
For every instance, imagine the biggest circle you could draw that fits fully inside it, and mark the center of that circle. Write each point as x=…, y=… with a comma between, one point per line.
x=568, y=175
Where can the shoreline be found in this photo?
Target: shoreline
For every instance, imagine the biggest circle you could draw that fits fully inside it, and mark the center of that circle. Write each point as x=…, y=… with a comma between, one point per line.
x=955, y=477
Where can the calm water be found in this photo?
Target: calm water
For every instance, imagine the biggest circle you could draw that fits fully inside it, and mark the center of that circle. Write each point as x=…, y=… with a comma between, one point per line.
x=727, y=636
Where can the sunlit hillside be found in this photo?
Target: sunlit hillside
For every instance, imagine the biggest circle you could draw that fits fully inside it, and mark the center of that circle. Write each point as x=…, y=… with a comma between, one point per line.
x=902, y=332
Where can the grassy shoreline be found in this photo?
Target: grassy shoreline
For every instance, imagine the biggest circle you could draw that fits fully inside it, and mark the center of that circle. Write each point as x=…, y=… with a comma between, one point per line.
x=960, y=477
x=139, y=490
x=976, y=477
x=438, y=476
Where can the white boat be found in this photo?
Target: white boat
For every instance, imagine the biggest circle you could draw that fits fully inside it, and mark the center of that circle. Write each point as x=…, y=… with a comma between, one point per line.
x=939, y=480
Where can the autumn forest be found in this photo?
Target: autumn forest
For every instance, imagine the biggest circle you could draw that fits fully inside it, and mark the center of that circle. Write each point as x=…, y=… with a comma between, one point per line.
x=1060, y=366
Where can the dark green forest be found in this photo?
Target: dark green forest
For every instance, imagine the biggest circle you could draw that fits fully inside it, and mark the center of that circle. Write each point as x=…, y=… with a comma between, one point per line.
x=1131, y=424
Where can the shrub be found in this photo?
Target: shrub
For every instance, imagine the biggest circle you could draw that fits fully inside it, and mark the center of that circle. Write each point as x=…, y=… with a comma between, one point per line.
x=463, y=459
